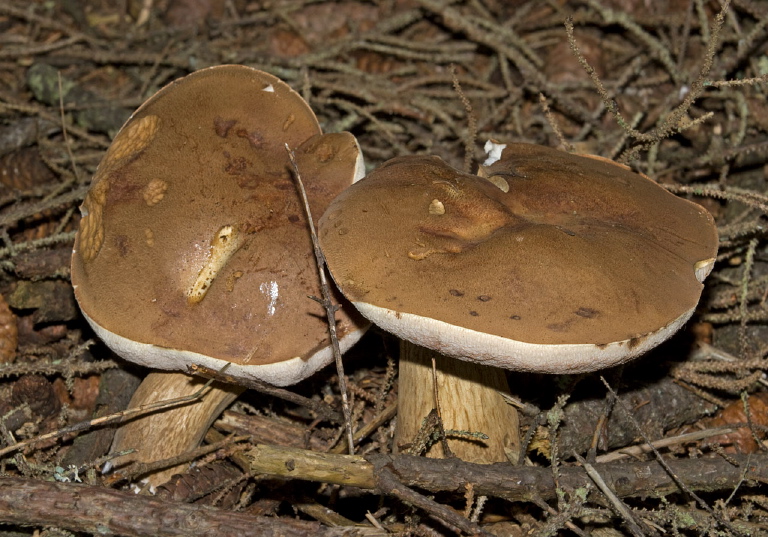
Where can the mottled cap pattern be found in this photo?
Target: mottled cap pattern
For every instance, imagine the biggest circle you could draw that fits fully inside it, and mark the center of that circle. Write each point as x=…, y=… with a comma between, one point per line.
x=193, y=245
x=545, y=261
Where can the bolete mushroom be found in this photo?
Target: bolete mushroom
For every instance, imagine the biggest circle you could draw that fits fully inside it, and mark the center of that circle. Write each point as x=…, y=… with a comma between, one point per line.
x=193, y=246
x=545, y=262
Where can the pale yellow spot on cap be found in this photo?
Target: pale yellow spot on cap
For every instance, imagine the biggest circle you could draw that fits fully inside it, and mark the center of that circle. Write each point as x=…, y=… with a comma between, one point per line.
x=91, y=232
x=436, y=207
x=500, y=182
x=154, y=191
x=232, y=280
x=132, y=139
x=224, y=244
x=289, y=121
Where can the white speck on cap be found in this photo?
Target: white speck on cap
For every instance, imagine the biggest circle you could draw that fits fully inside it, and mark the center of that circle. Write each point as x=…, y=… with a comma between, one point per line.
x=493, y=150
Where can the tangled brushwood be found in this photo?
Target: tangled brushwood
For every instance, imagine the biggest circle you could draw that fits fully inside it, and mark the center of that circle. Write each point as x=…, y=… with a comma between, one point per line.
x=674, y=442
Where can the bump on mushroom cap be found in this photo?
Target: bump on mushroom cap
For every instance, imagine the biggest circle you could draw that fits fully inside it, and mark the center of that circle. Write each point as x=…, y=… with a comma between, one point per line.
x=573, y=253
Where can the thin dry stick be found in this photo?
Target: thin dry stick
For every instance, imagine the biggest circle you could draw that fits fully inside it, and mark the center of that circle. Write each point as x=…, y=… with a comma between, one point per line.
x=753, y=427
x=325, y=301
x=447, y=453
x=387, y=414
x=736, y=487
x=746, y=278
x=128, y=413
x=554, y=419
x=323, y=410
x=553, y=123
x=617, y=504
x=705, y=350
x=740, y=82
x=388, y=483
x=538, y=500
x=67, y=143
x=20, y=211
x=59, y=366
x=665, y=442
x=136, y=468
x=469, y=141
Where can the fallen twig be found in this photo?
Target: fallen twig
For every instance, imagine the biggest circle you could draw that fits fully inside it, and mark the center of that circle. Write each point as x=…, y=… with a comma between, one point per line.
x=515, y=483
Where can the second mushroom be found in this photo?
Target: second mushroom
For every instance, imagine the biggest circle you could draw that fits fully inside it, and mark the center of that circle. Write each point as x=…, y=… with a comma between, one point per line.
x=544, y=261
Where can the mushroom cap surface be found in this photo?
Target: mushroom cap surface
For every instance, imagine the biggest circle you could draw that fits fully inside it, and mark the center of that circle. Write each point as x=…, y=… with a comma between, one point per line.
x=549, y=262
x=193, y=245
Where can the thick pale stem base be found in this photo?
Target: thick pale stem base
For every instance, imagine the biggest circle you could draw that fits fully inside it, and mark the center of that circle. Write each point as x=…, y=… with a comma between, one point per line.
x=170, y=432
x=469, y=400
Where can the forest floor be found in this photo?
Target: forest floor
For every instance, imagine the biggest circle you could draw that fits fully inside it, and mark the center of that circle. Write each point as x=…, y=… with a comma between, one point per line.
x=676, y=90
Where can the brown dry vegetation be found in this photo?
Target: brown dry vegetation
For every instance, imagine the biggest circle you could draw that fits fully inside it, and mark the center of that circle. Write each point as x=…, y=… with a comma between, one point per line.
x=675, y=89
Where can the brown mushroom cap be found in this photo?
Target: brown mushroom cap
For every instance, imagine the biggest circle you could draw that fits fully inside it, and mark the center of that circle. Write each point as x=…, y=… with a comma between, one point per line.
x=194, y=247
x=551, y=262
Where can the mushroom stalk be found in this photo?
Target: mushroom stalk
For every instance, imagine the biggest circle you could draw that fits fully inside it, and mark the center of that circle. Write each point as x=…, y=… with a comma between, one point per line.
x=173, y=431
x=469, y=397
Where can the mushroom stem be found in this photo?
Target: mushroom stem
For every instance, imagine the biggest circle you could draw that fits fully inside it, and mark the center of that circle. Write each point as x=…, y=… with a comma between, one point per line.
x=470, y=400
x=170, y=432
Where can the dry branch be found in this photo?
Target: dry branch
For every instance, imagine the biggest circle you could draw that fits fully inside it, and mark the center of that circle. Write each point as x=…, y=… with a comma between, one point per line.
x=515, y=483
x=102, y=511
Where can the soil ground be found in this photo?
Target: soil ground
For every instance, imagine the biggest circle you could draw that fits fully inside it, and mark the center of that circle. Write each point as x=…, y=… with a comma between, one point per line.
x=676, y=90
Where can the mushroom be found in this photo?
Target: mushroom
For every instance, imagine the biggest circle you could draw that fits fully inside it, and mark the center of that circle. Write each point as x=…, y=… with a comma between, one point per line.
x=193, y=246
x=544, y=262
